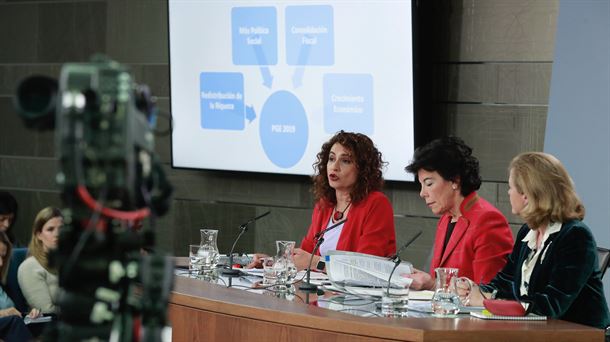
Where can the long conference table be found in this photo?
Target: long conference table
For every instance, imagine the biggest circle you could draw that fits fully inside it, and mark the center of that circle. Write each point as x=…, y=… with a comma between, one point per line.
x=201, y=311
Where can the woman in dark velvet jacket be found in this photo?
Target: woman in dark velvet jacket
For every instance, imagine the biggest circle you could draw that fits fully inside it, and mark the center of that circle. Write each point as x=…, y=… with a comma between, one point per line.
x=553, y=269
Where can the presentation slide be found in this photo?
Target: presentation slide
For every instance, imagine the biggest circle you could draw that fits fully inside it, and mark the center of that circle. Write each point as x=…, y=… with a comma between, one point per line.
x=259, y=86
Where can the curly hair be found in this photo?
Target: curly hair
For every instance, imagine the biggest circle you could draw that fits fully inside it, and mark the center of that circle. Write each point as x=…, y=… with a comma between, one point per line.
x=452, y=159
x=548, y=187
x=369, y=164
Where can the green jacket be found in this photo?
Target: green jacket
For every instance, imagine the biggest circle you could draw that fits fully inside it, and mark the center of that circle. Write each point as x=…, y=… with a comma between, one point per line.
x=567, y=283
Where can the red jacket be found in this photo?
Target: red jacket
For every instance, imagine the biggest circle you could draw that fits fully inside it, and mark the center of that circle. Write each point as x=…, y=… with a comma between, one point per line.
x=369, y=228
x=479, y=244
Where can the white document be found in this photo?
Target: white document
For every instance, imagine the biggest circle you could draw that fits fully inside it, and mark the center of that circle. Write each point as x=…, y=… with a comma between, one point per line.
x=41, y=319
x=356, y=269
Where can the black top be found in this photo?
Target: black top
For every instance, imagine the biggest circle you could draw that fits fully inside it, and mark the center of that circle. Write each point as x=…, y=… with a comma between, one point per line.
x=450, y=227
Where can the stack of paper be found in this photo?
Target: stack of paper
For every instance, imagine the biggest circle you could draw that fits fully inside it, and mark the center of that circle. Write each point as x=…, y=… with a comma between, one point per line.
x=349, y=269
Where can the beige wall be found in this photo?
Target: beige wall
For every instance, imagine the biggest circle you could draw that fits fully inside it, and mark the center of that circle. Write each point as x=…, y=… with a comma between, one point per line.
x=486, y=66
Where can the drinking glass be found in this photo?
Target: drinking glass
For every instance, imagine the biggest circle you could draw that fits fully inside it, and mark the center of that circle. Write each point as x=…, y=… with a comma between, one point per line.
x=285, y=250
x=280, y=267
x=445, y=301
x=269, y=274
x=194, y=259
x=395, y=302
x=208, y=250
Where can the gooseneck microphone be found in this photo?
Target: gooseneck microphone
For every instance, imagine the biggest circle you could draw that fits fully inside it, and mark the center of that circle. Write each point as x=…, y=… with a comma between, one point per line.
x=403, y=247
x=396, y=259
x=308, y=286
x=229, y=271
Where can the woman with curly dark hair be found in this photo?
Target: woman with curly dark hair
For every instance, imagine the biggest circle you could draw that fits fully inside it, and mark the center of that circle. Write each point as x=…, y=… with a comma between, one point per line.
x=471, y=235
x=347, y=183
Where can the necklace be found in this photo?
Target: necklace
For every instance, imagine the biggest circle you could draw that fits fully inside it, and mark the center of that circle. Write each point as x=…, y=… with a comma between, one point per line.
x=338, y=215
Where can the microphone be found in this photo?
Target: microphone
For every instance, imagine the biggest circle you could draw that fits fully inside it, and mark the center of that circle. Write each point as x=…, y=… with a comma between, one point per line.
x=230, y=272
x=244, y=226
x=324, y=231
x=397, y=254
x=308, y=286
x=397, y=261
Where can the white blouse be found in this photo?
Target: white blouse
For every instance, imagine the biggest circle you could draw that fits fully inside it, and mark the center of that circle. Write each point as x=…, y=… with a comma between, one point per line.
x=331, y=238
x=535, y=254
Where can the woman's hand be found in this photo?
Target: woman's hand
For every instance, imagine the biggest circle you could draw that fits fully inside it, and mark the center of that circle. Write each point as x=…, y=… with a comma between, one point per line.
x=301, y=259
x=35, y=313
x=421, y=280
x=10, y=312
x=463, y=288
x=475, y=296
x=470, y=293
x=257, y=261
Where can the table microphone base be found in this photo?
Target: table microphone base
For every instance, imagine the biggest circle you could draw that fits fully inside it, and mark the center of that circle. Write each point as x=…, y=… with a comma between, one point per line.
x=308, y=287
x=230, y=272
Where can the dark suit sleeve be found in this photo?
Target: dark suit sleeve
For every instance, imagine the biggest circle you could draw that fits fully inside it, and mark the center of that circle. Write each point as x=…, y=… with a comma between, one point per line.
x=504, y=281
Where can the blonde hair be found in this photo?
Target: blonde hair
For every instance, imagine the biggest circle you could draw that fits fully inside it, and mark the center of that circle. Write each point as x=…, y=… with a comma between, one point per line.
x=549, y=189
x=35, y=248
x=6, y=260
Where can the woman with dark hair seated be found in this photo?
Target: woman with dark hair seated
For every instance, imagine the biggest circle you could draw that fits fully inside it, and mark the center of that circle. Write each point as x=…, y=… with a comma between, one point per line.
x=8, y=214
x=346, y=185
x=553, y=269
x=471, y=235
x=12, y=327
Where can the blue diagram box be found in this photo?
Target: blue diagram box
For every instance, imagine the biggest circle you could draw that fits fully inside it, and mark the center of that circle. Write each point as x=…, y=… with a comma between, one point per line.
x=254, y=35
x=348, y=103
x=222, y=100
x=310, y=35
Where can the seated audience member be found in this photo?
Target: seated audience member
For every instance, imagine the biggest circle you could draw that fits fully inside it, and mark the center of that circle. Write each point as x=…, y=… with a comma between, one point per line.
x=553, y=269
x=347, y=185
x=471, y=235
x=8, y=214
x=37, y=280
x=12, y=327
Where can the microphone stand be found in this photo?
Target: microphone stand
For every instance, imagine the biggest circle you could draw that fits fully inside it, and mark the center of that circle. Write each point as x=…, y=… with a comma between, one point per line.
x=230, y=272
x=397, y=260
x=308, y=287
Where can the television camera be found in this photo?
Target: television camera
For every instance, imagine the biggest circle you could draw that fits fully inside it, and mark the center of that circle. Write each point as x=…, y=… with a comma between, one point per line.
x=113, y=285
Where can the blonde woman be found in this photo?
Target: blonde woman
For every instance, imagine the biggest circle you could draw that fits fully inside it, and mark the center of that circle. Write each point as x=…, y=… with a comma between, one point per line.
x=553, y=269
x=37, y=280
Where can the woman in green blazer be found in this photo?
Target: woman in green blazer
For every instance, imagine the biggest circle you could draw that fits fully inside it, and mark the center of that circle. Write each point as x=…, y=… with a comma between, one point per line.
x=553, y=269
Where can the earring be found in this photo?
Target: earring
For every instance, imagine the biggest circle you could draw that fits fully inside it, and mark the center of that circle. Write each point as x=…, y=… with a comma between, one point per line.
x=454, y=187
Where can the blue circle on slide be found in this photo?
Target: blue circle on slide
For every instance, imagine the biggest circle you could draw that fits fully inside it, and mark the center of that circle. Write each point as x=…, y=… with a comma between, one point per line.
x=283, y=129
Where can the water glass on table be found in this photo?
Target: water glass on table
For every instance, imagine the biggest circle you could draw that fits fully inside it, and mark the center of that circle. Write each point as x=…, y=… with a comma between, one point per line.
x=445, y=301
x=194, y=259
x=395, y=302
x=269, y=274
x=275, y=271
x=201, y=260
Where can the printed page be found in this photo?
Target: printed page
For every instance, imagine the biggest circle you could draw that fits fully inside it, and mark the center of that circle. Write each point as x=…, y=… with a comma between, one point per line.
x=357, y=269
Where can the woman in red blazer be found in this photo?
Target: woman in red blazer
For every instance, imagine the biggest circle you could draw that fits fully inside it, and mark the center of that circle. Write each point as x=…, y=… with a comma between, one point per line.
x=347, y=185
x=471, y=235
